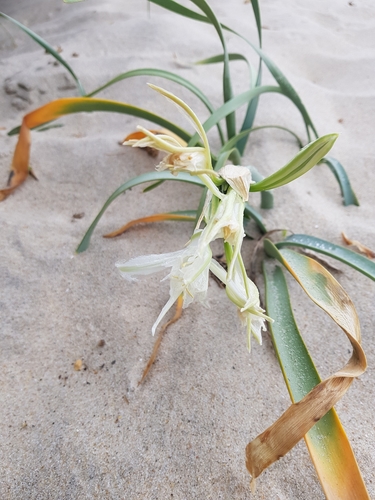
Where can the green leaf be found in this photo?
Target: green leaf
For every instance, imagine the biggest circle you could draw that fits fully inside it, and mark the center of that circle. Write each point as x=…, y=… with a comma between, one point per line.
x=141, y=179
x=342, y=178
x=253, y=104
x=153, y=186
x=234, y=140
x=232, y=57
x=227, y=85
x=48, y=49
x=180, y=9
x=161, y=74
x=220, y=58
x=250, y=113
x=307, y=158
x=48, y=127
x=296, y=364
x=353, y=259
x=232, y=105
x=256, y=10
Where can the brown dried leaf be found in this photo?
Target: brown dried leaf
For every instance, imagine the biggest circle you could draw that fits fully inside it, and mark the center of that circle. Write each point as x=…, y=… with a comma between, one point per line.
x=361, y=248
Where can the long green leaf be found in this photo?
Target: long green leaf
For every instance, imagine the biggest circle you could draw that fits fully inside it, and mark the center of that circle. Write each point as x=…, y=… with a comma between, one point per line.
x=227, y=85
x=141, y=179
x=48, y=48
x=161, y=74
x=342, y=178
x=232, y=142
x=353, y=259
x=256, y=10
x=307, y=158
x=232, y=57
x=253, y=104
x=327, y=442
x=180, y=9
x=219, y=58
x=153, y=186
x=232, y=105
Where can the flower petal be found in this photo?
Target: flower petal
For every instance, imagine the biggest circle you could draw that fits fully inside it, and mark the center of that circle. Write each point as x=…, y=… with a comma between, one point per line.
x=239, y=178
x=147, y=264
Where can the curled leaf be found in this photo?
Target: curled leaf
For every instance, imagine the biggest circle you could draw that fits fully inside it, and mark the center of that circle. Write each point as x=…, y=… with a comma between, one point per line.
x=299, y=418
x=327, y=442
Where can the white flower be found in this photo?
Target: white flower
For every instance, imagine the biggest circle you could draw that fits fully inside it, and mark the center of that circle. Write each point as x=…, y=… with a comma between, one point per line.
x=227, y=223
x=188, y=276
x=190, y=161
x=195, y=160
x=239, y=178
x=245, y=295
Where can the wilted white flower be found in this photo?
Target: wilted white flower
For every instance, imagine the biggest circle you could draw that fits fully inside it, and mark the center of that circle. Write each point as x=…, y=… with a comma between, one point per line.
x=245, y=295
x=188, y=275
x=239, y=178
x=227, y=223
x=188, y=161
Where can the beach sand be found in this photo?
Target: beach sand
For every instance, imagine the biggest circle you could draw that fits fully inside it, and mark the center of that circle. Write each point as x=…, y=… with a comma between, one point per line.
x=94, y=433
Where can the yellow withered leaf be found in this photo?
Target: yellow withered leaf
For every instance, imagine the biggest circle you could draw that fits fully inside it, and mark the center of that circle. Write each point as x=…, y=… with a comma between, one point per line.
x=20, y=164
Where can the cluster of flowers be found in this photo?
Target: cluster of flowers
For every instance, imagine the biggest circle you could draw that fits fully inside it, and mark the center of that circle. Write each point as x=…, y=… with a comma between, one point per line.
x=228, y=190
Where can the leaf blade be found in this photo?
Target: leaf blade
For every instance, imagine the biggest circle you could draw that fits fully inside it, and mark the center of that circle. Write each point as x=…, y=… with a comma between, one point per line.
x=306, y=159
x=232, y=105
x=48, y=48
x=227, y=84
x=135, y=181
x=342, y=178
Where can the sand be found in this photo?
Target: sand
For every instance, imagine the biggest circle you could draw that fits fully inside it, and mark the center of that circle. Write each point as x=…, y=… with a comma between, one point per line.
x=93, y=433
